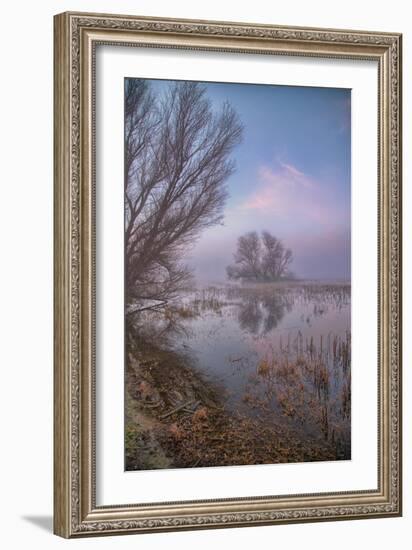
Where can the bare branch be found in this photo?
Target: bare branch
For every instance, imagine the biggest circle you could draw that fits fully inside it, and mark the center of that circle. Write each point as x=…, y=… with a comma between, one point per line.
x=260, y=259
x=177, y=151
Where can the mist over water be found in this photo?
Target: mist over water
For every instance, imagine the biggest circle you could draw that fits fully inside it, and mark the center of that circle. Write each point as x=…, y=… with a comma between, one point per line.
x=241, y=326
x=280, y=352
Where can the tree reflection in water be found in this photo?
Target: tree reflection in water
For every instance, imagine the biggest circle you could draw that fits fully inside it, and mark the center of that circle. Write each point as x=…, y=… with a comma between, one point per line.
x=231, y=338
x=261, y=314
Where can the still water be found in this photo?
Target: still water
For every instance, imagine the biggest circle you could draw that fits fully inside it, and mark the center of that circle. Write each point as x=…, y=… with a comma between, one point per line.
x=280, y=353
x=235, y=328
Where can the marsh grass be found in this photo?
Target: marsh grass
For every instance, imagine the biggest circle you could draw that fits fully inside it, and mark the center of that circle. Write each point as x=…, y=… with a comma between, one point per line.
x=295, y=404
x=309, y=384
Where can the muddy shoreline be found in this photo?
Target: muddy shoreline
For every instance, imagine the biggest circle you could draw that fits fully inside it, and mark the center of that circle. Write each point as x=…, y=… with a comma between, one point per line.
x=175, y=418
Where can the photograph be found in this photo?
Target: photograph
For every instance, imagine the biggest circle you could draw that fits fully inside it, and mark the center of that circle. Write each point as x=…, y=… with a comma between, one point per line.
x=237, y=274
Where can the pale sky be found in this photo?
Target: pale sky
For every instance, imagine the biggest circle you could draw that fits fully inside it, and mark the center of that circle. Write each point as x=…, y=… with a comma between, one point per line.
x=292, y=178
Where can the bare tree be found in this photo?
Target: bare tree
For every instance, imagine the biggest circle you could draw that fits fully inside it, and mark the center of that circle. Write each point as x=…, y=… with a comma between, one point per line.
x=247, y=258
x=177, y=161
x=260, y=259
x=275, y=258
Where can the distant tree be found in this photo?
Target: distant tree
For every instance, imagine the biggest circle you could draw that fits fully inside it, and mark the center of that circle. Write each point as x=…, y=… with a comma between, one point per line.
x=263, y=258
x=177, y=161
x=247, y=258
x=275, y=258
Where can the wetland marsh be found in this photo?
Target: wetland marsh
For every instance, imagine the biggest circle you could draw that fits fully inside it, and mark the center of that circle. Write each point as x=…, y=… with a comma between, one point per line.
x=263, y=371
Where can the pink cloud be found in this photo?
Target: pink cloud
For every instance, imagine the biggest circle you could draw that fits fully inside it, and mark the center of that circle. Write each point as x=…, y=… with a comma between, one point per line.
x=295, y=174
x=289, y=194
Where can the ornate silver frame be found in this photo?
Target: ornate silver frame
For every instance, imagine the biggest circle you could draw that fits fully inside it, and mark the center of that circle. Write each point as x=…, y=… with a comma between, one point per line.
x=76, y=36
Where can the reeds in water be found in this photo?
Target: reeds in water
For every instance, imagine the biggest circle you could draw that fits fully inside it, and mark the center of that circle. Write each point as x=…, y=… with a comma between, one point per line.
x=309, y=383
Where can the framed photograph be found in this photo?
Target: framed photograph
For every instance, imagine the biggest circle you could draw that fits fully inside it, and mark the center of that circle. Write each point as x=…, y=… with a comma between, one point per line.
x=227, y=274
